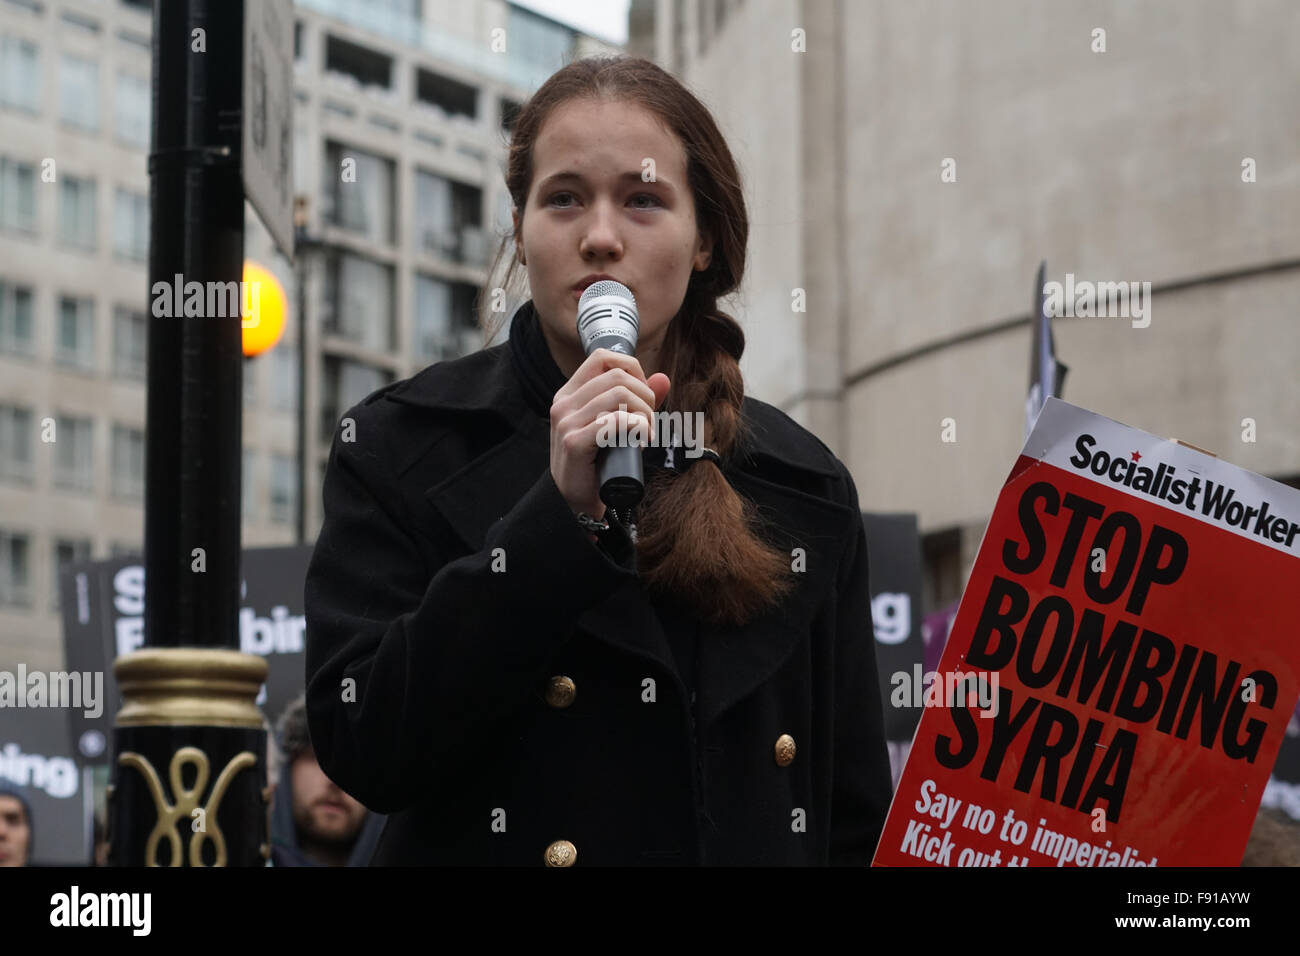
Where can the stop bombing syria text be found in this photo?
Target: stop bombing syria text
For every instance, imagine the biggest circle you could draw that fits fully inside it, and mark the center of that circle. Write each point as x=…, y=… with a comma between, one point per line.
x=1137, y=674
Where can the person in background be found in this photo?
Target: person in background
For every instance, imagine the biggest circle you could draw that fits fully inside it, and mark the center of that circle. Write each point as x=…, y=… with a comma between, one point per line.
x=15, y=828
x=313, y=822
x=1274, y=840
x=99, y=840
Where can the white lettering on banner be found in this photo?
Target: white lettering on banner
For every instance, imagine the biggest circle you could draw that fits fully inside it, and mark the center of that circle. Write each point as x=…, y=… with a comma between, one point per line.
x=280, y=633
x=891, y=616
x=128, y=633
x=57, y=776
x=1175, y=477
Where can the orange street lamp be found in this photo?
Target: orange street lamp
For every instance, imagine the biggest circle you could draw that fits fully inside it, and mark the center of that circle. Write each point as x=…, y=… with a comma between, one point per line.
x=263, y=307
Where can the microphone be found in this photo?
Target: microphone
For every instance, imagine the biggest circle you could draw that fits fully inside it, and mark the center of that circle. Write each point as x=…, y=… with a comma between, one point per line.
x=607, y=319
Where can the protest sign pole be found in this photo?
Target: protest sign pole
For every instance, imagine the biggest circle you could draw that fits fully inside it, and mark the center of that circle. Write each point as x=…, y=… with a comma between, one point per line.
x=189, y=745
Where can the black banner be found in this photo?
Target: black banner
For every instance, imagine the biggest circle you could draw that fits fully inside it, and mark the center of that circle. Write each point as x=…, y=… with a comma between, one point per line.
x=103, y=618
x=894, y=550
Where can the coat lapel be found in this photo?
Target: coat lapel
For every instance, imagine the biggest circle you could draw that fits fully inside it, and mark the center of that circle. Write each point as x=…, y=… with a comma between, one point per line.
x=736, y=661
x=476, y=496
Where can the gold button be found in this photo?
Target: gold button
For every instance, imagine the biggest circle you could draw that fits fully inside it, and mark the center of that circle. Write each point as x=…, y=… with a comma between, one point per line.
x=561, y=691
x=784, y=750
x=561, y=853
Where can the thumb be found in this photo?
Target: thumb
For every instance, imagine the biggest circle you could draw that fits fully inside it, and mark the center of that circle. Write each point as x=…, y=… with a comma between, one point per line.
x=659, y=384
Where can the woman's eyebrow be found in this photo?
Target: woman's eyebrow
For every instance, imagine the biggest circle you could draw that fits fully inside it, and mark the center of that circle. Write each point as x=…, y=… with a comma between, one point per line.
x=628, y=176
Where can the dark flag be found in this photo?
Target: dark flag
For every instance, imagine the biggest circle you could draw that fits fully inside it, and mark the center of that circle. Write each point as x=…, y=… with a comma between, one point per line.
x=1046, y=374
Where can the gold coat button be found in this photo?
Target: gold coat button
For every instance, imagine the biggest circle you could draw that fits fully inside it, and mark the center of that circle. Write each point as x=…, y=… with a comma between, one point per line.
x=561, y=853
x=561, y=691
x=784, y=750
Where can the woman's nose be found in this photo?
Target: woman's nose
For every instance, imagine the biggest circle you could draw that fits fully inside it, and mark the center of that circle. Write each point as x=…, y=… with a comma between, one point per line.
x=602, y=237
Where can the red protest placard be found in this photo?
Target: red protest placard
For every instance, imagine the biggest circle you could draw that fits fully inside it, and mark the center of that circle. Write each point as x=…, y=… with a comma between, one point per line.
x=1122, y=668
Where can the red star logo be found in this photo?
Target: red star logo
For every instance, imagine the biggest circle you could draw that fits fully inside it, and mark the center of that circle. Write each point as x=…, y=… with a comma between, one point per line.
x=1136, y=456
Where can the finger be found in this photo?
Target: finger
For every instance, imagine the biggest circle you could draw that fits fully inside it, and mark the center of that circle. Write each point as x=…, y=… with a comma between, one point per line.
x=601, y=361
x=614, y=400
x=610, y=379
x=608, y=428
x=660, y=385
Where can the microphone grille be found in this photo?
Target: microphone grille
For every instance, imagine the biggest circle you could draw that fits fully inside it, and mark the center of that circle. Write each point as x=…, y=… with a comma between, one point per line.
x=608, y=287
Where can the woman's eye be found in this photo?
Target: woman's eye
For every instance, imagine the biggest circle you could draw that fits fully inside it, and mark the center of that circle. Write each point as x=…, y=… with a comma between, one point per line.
x=556, y=200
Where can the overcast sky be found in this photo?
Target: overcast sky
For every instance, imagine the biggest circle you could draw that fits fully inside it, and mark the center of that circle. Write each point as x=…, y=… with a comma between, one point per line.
x=606, y=19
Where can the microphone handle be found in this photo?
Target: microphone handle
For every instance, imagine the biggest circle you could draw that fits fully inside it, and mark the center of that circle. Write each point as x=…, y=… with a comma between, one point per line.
x=622, y=482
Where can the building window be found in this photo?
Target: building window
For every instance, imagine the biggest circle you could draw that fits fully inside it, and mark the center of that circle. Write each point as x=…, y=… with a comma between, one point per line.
x=79, y=92
x=359, y=301
x=66, y=551
x=719, y=15
x=297, y=39
x=358, y=194
x=247, y=490
x=249, y=384
x=73, y=453
x=444, y=325
x=128, y=462
x=131, y=110
x=284, y=377
x=15, y=576
x=74, y=343
x=130, y=343
x=17, y=196
x=77, y=212
x=15, y=318
x=284, y=489
x=443, y=93
x=120, y=549
x=537, y=41
x=368, y=67
x=345, y=383
x=449, y=219
x=679, y=35
x=80, y=22
x=509, y=112
x=16, y=443
x=131, y=225
x=20, y=74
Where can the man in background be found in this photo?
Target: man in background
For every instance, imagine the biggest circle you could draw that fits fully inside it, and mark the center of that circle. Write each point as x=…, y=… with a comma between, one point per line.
x=15, y=828
x=313, y=822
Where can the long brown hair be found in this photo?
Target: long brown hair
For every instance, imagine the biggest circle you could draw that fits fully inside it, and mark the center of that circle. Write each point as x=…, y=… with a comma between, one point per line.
x=699, y=543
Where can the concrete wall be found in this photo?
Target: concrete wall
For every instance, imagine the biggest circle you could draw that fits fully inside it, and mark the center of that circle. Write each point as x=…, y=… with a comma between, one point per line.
x=1117, y=166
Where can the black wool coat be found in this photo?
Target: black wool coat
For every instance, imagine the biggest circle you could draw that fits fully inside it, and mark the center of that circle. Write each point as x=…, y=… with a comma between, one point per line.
x=503, y=688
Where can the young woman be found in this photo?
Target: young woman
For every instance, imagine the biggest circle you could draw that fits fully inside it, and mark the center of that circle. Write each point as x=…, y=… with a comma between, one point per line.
x=515, y=687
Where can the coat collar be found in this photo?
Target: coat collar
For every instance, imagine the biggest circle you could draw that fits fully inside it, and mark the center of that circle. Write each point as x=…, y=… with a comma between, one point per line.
x=492, y=382
x=733, y=662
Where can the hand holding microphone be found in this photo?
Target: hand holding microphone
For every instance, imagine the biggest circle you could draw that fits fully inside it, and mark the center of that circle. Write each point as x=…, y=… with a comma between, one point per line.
x=588, y=476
